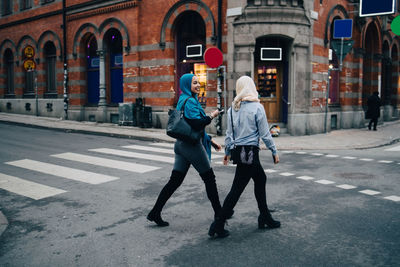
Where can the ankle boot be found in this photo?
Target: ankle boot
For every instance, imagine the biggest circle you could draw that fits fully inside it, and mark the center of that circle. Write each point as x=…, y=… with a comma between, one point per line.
x=217, y=227
x=156, y=217
x=266, y=219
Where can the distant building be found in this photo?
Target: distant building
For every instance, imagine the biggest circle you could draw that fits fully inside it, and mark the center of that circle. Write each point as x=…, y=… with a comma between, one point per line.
x=119, y=52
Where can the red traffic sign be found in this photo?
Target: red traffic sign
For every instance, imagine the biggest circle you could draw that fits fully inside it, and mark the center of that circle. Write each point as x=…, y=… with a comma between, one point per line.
x=213, y=57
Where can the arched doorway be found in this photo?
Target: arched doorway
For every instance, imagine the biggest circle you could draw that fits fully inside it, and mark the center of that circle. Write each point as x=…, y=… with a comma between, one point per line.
x=395, y=78
x=370, y=63
x=271, y=72
x=334, y=84
x=50, y=68
x=114, y=65
x=92, y=67
x=190, y=42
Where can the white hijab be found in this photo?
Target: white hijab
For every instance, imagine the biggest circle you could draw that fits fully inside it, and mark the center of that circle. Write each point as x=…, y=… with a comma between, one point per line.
x=245, y=91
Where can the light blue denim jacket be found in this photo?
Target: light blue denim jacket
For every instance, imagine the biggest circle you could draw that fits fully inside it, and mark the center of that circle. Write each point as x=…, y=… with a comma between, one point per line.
x=250, y=124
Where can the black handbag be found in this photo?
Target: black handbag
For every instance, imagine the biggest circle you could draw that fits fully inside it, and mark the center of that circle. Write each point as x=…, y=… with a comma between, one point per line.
x=178, y=127
x=247, y=155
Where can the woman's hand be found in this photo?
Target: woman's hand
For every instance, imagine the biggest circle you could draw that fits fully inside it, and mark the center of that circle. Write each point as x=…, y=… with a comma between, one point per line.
x=215, y=145
x=276, y=158
x=214, y=114
x=226, y=159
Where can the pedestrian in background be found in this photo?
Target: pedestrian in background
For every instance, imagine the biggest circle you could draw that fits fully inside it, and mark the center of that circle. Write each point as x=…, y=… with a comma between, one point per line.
x=246, y=124
x=374, y=109
x=187, y=154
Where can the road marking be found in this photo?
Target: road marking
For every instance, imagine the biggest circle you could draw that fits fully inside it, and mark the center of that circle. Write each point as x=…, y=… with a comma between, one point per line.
x=393, y=198
x=133, y=154
x=396, y=148
x=385, y=161
x=109, y=163
x=170, y=145
x=161, y=150
x=270, y=170
x=64, y=172
x=365, y=159
x=305, y=177
x=370, y=192
x=286, y=174
x=324, y=181
x=27, y=188
x=348, y=157
x=317, y=154
x=287, y=151
x=332, y=156
x=301, y=152
x=346, y=186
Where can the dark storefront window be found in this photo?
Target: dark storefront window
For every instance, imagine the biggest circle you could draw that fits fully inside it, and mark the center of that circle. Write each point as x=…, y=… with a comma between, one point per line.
x=50, y=54
x=9, y=67
x=115, y=63
x=92, y=73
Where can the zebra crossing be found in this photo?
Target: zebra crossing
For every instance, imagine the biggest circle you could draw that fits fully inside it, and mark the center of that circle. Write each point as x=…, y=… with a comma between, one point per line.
x=24, y=186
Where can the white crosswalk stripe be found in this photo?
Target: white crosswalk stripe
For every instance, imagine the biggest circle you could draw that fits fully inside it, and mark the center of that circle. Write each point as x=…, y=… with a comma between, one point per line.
x=396, y=148
x=370, y=192
x=109, y=163
x=130, y=154
x=64, y=172
x=305, y=177
x=161, y=150
x=27, y=188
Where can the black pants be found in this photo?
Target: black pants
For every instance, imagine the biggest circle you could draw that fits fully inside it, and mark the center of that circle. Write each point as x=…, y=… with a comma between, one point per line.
x=242, y=177
x=373, y=120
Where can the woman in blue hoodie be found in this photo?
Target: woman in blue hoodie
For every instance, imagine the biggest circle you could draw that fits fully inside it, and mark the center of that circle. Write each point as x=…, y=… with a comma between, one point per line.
x=187, y=154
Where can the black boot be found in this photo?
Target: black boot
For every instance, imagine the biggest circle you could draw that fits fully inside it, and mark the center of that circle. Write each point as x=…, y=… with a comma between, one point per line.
x=156, y=217
x=266, y=219
x=217, y=227
x=211, y=189
x=174, y=182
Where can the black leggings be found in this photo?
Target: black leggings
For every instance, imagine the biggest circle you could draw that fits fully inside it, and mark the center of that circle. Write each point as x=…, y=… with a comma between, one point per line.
x=242, y=177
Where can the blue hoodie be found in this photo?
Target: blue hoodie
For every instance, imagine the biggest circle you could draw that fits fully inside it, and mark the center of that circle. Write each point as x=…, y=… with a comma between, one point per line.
x=193, y=109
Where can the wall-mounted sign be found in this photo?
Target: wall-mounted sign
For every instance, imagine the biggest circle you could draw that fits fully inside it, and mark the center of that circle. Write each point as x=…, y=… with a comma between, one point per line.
x=342, y=28
x=29, y=64
x=376, y=8
x=194, y=50
x=29, y=51
x=213, y=57
x=271, y=54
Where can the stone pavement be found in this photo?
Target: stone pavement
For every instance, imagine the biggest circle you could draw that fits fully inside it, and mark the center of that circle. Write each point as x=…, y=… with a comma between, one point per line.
x=388, y=133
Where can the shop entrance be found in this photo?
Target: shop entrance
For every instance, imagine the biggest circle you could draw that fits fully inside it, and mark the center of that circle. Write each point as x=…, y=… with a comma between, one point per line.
x=271, y=70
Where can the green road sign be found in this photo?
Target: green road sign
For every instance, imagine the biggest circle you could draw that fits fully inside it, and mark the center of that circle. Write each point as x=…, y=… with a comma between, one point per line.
x=342, y=52
x=395, y=26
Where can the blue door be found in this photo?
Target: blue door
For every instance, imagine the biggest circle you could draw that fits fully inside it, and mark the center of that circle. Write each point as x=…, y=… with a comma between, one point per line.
x=117, y=95
x=93, y=91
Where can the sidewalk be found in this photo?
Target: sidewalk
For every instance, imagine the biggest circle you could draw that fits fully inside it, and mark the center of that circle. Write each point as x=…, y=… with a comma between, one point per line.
x=388, y=133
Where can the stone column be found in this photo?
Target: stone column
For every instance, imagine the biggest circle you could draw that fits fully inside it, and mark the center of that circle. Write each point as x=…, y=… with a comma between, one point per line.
x=102, y=74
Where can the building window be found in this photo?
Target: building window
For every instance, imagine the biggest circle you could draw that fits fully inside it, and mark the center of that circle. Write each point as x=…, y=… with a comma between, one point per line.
x=25, y=4
x=50, y=55
x=6, y=7
x=9, y=68
x=46, y=1
x=29, y=83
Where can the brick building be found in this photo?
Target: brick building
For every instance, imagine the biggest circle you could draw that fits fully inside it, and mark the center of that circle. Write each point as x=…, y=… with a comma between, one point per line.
x=118, y=51
x=293, y=88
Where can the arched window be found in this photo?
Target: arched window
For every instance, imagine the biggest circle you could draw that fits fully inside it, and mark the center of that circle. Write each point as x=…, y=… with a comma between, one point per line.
x=113, y=41
x=50, y=67
x=9, y=69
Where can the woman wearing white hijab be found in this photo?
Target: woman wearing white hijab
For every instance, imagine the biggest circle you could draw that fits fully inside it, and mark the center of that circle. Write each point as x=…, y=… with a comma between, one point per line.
x=249, y=125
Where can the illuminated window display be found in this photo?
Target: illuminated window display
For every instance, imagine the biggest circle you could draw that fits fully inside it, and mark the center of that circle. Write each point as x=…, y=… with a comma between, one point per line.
x=266, y=81
x=200, y=70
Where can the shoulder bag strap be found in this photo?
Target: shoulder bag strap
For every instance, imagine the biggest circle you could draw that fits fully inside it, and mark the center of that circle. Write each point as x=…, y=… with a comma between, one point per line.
x=233, y=131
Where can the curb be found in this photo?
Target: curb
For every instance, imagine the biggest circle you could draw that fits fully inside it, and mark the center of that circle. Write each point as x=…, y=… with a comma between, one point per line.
x=3, y=223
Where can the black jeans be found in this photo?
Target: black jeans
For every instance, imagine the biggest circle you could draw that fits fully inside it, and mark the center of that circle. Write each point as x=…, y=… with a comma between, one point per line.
x=373, y=120
x=242, y=177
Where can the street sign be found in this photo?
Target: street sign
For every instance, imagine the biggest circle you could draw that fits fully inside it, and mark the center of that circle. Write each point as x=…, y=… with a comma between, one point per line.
x=342, y=28
x=376, y=7
x=395, y=26
x=29, y=51
x=29, y=64
x=340, y=51
x=213, y=57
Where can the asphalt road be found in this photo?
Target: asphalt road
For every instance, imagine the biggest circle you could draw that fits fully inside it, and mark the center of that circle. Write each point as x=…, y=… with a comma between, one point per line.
x=337, y=208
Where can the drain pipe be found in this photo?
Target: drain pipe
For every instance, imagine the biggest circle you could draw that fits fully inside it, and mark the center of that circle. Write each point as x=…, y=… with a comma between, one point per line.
x=65, y=83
